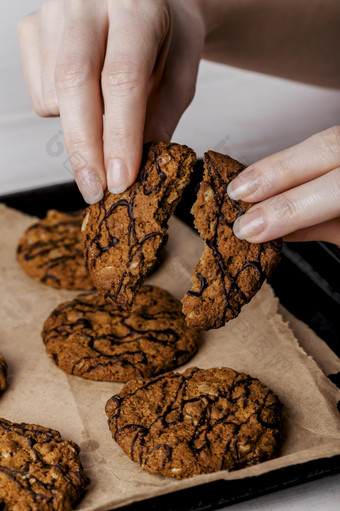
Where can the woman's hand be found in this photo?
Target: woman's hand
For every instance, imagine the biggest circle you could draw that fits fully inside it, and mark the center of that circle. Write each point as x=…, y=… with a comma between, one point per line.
x=297, y=192
x=136, y=61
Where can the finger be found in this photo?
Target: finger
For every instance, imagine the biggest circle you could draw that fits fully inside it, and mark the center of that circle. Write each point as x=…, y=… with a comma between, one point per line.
x=289, y=168
x=52, y=20
x=132, y=49
x=77, y=86
x=306, y=205
x=30, y=43
x=173, y=95
x=326, y=231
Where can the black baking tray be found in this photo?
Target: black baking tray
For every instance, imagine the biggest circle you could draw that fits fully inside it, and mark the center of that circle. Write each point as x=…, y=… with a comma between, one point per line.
x=307, y=283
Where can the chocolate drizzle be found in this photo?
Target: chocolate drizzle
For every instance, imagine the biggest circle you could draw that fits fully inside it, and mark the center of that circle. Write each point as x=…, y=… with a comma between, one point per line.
x=130, y=228
x=216, y=418
x=203, y=285
x=30, y=477
x=228, y=273
x=92, y=338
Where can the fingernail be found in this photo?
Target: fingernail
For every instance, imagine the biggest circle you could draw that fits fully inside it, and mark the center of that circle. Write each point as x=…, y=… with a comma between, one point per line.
x=90, y=185
x=117, y=176
x=243, y=185
x=250, y=224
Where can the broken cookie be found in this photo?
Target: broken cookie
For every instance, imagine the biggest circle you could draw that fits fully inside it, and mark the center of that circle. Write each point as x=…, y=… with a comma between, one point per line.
x=230, y=271
x=124, y=233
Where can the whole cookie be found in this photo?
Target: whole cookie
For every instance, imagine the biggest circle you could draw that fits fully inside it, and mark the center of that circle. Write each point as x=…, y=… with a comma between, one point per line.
x=201, y=421
x=39, y=471
x=124, y=233
x=95, y=339
x=230, y=271
x=3, y=374
x=51, y=251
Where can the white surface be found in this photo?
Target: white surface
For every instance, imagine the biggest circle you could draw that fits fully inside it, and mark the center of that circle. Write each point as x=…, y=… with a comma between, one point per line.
x=244, y=114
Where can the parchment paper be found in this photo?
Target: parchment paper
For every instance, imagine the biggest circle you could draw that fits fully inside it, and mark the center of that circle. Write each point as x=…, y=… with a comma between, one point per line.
x=326, y=359
x=258, y=342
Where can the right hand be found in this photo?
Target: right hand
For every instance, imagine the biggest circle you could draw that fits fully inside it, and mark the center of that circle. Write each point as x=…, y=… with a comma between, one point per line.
x=135, y=61
x=296, y=191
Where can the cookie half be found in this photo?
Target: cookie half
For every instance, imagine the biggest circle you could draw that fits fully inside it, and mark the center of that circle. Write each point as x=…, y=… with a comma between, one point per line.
x=3, y=374
x=38, y=469
x=201, y=421
x=124, y=233
x=51, y=251
x=230, y=271
x=95, y=339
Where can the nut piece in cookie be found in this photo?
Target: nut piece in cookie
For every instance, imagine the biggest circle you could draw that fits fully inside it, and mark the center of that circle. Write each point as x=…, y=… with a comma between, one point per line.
x=38, y=469
x=95, y=339
x=3, y=374
x=124, y=233
x=201, y=421
x=230, y=271
x=51, y=251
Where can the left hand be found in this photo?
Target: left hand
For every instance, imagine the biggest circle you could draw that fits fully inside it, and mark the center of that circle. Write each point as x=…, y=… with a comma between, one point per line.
x=135, y=60
x=297, y=193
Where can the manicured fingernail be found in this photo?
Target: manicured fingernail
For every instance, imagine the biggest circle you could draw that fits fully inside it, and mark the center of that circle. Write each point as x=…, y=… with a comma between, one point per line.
x=251, y=224
x=243, y=185
x=117, y=176
x=90, y=185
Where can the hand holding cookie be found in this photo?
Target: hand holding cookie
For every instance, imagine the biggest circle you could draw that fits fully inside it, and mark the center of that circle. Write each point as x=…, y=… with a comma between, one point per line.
x=297, y=192
x=136, y=62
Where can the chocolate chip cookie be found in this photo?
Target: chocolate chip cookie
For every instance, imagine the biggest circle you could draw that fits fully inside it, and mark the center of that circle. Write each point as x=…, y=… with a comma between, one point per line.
x=201, y=421
x=39, y=471
x=3, y=374
x=230, y=271
x=124, y=233
x=95, y=339
x=51, y=251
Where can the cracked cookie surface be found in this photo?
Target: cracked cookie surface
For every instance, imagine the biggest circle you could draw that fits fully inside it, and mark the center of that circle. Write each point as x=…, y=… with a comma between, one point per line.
x=95, y=339
x=230, y=271
x=39, y=471
x=124, y=233
x=201, y=421
x=51, y=251
x=3, y=374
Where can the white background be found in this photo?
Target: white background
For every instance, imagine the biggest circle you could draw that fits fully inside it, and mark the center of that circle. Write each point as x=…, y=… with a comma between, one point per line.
x=244, y=114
